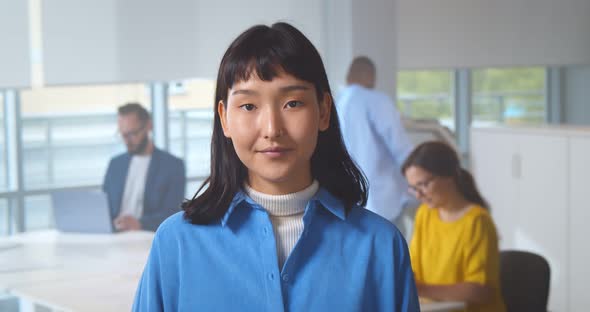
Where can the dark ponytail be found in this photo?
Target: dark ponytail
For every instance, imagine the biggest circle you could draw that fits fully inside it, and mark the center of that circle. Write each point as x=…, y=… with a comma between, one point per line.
x=441, y=160
x=468, y=188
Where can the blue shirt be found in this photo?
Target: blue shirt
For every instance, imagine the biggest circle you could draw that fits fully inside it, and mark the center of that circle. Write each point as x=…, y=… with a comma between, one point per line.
x=378, y=143
x=342, y=262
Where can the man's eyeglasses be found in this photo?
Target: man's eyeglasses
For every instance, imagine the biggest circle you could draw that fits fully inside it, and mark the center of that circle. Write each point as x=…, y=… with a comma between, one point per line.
x=131, y=134
x=421, y=186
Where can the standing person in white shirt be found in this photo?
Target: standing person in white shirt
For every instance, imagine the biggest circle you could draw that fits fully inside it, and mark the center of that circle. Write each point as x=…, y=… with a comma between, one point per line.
x=376, y=139
x=145, y=185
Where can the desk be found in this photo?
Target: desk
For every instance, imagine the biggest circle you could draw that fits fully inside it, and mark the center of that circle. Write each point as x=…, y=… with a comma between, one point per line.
x=87, y=272
x=74, y=272
x=434, y=306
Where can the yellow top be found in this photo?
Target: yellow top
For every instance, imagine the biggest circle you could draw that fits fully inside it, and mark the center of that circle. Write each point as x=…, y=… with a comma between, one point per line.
x=465, y=250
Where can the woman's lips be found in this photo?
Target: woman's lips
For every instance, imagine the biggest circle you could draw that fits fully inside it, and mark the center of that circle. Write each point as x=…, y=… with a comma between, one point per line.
x=275, y=152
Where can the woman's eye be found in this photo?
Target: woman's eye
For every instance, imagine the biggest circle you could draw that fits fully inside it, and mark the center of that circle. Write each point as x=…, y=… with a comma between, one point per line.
x=293, y=104
x=248, y=107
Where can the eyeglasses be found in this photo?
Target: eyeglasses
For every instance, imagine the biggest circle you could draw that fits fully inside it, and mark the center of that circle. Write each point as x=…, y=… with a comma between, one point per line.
x=131, y=134
x=421, y=186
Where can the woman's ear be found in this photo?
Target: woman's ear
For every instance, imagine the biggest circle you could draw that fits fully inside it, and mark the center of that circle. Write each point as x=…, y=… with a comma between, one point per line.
x=222, y=111
x=325, y=110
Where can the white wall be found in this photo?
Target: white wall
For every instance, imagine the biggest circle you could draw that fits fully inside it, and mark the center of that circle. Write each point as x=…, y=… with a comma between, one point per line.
x=86, y=42
x=374, y=34
x=355, y=28
x=157, y=40
x=109, y=41
x=134, y=40
x=475, y=33
x=219, y=25
x=337, y=27
x=15, y=69
x=79, y=43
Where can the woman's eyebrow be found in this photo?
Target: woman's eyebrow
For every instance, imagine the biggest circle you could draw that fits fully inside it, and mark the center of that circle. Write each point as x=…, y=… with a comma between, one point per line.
x=294, y=88
x=244, y=91
x=284, y=89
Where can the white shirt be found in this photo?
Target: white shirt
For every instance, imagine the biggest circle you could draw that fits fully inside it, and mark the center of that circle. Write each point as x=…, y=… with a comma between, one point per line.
x=286, y=215
x=132, y=203
x=378, y=143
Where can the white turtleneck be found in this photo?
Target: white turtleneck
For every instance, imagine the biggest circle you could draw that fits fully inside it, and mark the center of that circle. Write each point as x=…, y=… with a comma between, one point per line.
x=286, y=215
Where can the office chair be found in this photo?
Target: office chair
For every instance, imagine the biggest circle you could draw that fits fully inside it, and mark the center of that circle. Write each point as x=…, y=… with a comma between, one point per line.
x=524, y=278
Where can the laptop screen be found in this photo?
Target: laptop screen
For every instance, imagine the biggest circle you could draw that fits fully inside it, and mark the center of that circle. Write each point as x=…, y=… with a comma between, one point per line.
x=81, y=211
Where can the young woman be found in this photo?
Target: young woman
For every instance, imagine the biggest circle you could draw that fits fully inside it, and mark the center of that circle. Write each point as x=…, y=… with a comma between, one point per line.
x=454, y=248
x=278, y=224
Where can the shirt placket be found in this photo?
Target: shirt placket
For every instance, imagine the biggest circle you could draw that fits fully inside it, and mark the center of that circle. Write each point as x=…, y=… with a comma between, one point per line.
x=288, y=272
x=269, y=261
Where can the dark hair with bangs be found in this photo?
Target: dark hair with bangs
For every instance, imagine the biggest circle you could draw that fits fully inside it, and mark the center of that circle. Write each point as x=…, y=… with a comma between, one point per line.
x=267, y=52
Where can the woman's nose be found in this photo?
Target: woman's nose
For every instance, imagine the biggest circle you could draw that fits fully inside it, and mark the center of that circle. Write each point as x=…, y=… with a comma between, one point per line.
x=273, y=124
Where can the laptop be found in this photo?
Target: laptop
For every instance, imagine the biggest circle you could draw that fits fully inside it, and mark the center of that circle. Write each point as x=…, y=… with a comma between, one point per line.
x=81, y=211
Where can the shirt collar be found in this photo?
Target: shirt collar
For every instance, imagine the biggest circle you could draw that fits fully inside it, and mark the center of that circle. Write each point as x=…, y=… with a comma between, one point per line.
x=322, y=197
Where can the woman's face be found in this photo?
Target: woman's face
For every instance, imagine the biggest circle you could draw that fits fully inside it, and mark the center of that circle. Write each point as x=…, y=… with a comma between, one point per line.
x=428, y=188
x=274, y=129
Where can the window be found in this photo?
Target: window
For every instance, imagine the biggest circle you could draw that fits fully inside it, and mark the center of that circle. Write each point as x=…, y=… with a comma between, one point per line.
x=68, y=138
x=4, y=209
x=3, y=151
x=38, y=213
x=191, y=124
x=69, y=133
x=508, y=95
x=3, y=216
x=426, y=95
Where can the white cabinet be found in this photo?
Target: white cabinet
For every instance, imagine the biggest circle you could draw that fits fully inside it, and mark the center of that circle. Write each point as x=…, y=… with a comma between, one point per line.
x=542, y=207
x=579, y=223
x=535, y=181
x=493, y=165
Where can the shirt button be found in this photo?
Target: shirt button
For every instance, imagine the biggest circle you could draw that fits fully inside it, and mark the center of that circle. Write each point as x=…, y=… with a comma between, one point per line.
x=265, y=231
x=285, y=277
x=271, y=276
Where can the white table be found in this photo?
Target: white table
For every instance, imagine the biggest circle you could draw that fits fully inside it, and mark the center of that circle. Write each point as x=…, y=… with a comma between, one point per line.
x=74, y=272
x=87, y=272
x=441, y=306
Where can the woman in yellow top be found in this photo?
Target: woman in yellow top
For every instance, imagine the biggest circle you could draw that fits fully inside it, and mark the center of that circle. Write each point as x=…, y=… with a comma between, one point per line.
x=454, y=249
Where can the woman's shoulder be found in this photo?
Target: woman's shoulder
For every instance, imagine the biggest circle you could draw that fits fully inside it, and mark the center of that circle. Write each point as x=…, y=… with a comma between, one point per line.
x=423, y=212
x=177, y=225
x=172, y=223
x=477, y=212
x=423, y=209
x=480, y=218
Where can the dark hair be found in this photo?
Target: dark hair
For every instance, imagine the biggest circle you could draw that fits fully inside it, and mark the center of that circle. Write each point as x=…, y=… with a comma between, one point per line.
x=441, y=160
x=361, y=65
x=135, y=108
x=267, y=52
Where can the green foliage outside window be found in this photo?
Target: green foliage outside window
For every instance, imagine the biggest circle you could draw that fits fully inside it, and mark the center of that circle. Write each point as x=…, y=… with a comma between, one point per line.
x=500, y=95
x=425, y=94
x=509, y=95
